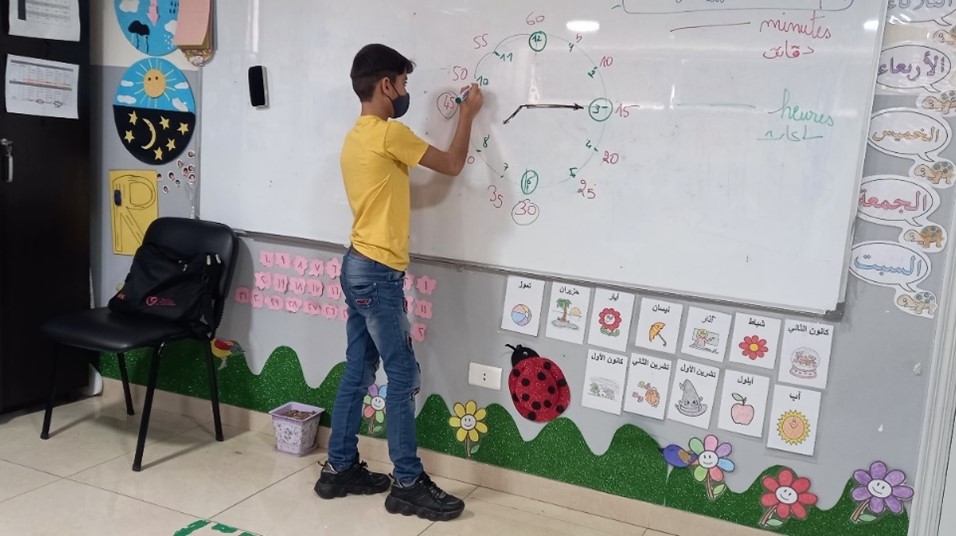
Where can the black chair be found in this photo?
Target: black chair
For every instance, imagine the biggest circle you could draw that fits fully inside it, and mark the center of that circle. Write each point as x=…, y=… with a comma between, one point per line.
x=101, y=330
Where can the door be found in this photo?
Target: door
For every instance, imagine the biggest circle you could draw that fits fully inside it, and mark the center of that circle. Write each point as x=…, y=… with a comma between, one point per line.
x=44, y=223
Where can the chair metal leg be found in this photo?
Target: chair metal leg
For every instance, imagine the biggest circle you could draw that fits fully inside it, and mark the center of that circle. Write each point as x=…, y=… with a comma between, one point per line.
x=48, y=414
x=124, y=375
x=213, y=391
x=147, y=406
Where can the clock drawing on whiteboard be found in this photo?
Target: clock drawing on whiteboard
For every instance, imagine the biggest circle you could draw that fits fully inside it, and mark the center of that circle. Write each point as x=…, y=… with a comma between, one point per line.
x=543, y=119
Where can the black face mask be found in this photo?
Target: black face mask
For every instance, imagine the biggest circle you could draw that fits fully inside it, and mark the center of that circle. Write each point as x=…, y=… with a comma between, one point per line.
x=400, y=105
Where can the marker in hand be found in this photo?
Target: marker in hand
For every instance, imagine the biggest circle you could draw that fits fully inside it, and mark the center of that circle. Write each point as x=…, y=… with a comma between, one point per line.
x=463, y=96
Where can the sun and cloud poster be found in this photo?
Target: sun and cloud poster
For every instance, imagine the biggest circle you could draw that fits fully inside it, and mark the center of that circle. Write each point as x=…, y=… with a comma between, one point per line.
x=154, y=111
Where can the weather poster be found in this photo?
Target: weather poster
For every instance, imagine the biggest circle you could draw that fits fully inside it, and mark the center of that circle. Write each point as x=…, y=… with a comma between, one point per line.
x=149, y=25
x=154, y=111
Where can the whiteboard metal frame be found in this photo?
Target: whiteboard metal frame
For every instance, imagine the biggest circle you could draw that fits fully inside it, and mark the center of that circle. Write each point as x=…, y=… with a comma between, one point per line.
x=833, y=316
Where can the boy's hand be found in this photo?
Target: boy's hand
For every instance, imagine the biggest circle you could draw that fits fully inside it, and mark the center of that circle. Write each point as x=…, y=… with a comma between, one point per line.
x=472, y=103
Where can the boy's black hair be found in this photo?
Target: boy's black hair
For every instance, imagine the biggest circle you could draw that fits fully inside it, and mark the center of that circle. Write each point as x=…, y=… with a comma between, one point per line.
x=373, y=63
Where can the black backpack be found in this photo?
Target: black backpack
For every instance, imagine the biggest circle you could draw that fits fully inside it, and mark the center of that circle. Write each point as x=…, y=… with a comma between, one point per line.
x=162, y=283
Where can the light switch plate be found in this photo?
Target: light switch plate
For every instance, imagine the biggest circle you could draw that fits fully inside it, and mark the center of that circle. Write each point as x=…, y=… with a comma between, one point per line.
x=484, y=376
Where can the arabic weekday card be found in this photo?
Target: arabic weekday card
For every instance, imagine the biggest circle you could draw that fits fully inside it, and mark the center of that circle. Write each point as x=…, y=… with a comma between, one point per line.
x=611, y=319
x=694, y=388
x=706, y=334
x=794, y=420
x=648, y=382
x=755, y=341
x=743, y=403
x=658, y=325
x=522, y=309
x=805, y=354
x=604, y=381
x=568, y=312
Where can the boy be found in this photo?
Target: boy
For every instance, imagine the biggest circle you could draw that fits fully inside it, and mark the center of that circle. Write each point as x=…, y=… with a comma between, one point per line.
x=375, y=160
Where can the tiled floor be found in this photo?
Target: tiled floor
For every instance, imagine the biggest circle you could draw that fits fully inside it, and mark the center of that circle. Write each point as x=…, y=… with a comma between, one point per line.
x=79, y=483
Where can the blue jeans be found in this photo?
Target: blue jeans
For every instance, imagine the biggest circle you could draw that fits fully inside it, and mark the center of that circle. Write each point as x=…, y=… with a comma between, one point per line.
x=377, y=327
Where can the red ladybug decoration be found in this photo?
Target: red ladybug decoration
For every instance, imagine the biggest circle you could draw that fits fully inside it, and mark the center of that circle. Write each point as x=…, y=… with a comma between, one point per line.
x=538, y=388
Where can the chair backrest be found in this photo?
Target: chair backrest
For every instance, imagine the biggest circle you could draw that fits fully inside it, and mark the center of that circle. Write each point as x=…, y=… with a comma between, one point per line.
x=189, y=237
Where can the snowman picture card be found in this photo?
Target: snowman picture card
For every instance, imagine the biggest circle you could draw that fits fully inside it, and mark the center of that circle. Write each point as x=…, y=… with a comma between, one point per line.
x=693, y=394
x=604, y=381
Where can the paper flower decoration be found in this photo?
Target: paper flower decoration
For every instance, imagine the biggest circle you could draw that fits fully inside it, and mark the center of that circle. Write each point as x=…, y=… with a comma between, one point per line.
x=710, y=461
x=879, y=490
x=467, y=421
x=786, y=496
x=375, y=408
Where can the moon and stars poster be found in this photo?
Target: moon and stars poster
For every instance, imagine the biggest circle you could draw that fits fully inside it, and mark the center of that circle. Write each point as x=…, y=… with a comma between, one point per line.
x=154, y=111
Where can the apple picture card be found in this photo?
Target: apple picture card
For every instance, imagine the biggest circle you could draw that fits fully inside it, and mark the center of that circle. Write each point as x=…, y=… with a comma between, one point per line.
x=693, y=394
x=568, y=312
x=648, y=380
x=522, y=309
x=755, y=341
x=658, y=325
x=604, y=381
x=706, y=334
x=611, y=319
x=794, y=420
x=805, y=354
x=743, y=403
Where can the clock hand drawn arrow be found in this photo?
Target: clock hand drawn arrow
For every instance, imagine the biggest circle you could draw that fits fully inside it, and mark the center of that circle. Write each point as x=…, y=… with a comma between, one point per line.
x=574, y=106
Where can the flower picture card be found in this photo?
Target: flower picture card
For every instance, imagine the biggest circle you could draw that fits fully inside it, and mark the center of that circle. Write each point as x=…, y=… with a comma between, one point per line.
x=611, y=319
x=755, y=341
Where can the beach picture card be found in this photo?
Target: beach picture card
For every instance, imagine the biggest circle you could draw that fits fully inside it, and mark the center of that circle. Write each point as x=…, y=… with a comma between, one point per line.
x=568, y=312
x=805, y=354
x=693, y=394
x=794, y=420
x=522, y=308
x=658, y=325
x=611, y=319
x=743, y=403
x=706, y=334
x=648, y=382
x=604, y=381
x=755, y=341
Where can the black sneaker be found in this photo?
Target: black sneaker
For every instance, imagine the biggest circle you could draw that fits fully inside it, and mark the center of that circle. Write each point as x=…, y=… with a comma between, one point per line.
x=424, y=499
x=357, y=480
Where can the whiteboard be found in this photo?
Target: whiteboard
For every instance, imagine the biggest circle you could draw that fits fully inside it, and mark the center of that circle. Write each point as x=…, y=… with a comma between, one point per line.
x=715, y=150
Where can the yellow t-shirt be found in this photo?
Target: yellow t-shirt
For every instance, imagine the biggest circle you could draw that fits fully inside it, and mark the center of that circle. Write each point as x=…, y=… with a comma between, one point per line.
x=375, y=161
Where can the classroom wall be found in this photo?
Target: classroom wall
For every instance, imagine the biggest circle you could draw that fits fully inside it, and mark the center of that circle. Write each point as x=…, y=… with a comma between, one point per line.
x=872, y=408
